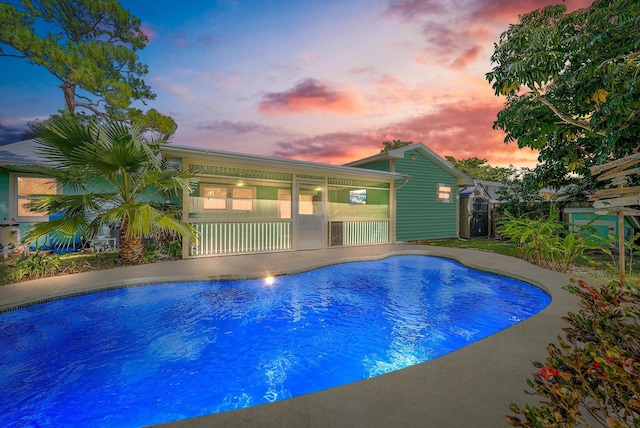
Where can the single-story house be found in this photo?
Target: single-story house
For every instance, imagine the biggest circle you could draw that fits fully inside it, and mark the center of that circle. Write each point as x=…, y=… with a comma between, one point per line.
x=427, y=205
x=247, y=203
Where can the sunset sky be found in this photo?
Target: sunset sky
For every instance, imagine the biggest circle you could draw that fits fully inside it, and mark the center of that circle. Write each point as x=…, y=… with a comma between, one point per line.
x=324, y=81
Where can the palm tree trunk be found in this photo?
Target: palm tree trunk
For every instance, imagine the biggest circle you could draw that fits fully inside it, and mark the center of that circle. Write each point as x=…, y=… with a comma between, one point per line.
x=131, y=248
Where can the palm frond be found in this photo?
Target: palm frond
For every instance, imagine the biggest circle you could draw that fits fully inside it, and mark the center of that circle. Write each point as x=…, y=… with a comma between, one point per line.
x=164, y=181
x=116, y=176
x=144, y=218
x=59, y=136
x=129, y=140
x=70, y=205
x=169, y=223
x=64, y=230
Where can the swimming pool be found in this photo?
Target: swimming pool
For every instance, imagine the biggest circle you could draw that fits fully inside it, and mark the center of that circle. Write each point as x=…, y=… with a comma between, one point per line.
x=145, y=355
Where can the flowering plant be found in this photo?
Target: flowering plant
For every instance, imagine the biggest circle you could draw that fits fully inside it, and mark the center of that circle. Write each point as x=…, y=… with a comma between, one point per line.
x=592, y=376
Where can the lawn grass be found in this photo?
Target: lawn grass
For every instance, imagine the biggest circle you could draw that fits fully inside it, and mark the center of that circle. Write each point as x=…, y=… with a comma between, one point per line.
x=486, y=244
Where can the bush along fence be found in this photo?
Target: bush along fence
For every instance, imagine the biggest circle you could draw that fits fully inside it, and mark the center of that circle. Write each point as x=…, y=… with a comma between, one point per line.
x=547, y=242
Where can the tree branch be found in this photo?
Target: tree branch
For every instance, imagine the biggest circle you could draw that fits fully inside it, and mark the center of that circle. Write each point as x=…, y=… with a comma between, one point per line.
x=567, y=119
x=92, y=108
x=13, y=56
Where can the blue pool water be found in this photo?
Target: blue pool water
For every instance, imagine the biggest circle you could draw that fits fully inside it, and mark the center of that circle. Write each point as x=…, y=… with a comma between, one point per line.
x=152, y=354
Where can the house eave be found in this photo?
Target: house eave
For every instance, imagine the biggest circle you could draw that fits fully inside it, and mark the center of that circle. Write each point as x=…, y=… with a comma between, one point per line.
x=277, y=163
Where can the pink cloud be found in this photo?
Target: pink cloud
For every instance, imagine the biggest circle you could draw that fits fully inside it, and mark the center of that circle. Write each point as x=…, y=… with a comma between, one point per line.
x=310, y=95
x=333, y=148
x=310, y=58
x=461, y=130
x=455, y=36
x=456, y=47
x=225, y=82
x=467, y=57
x=148, y=30
x=412, y=9
x=507, y=11
x=226, y=127
x=361, y=70
x=390, y=92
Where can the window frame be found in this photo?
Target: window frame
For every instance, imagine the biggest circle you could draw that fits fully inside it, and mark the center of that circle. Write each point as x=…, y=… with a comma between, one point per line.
x=443, y=189
x=229, y=199
x=252, y=199
x=16, y=198
x=214, y=199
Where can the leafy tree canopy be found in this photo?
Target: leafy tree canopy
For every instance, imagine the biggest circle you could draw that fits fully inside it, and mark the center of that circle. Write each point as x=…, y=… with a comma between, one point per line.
x=521, y=194
x=90, y=47
x=572, y=85
x=479, y=169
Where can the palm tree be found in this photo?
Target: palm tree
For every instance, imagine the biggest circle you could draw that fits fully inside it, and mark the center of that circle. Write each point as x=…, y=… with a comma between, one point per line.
x=112, y=177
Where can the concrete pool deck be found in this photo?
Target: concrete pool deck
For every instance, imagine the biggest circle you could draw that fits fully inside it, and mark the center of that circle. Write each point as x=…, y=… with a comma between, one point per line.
x=471, y=387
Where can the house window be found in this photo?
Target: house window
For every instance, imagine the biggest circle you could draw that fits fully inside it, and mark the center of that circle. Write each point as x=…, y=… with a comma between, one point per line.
x=445, y=193
x=225, y=198
x=24, y=187
x=242, y=198
x=215, y=198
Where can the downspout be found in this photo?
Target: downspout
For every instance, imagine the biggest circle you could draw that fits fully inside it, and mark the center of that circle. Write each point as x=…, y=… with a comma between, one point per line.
x=406, y=180
x=457, y=210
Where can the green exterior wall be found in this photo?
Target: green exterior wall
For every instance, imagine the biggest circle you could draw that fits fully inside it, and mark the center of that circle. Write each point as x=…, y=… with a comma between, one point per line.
x=4, y=194
x=603, y=225
x=266, y=202
x=419, y=215
x=5, y=198
x=380, y=166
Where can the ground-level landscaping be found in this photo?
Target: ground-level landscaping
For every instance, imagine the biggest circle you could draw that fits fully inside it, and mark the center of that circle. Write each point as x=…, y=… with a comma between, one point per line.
x=598, y=266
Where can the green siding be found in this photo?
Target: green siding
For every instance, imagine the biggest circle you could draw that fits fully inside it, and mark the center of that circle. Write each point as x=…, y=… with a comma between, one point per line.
x=602, y=225
x=419, y=215
x=379, y=166
x=4, y=194
x=5, y=198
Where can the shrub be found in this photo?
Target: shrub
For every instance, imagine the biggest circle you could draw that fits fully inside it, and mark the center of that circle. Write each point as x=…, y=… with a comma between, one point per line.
x=547, y=242
x=593, y=373
x=34, y=266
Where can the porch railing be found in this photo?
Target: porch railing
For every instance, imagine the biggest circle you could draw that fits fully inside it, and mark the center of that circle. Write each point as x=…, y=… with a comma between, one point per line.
x=241, y=237
x=365, y=232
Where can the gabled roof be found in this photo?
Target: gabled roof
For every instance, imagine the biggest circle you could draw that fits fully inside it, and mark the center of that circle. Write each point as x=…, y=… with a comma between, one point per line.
x=490, y=188
x=20, y=153
x=467, y=191
x=424, y=151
